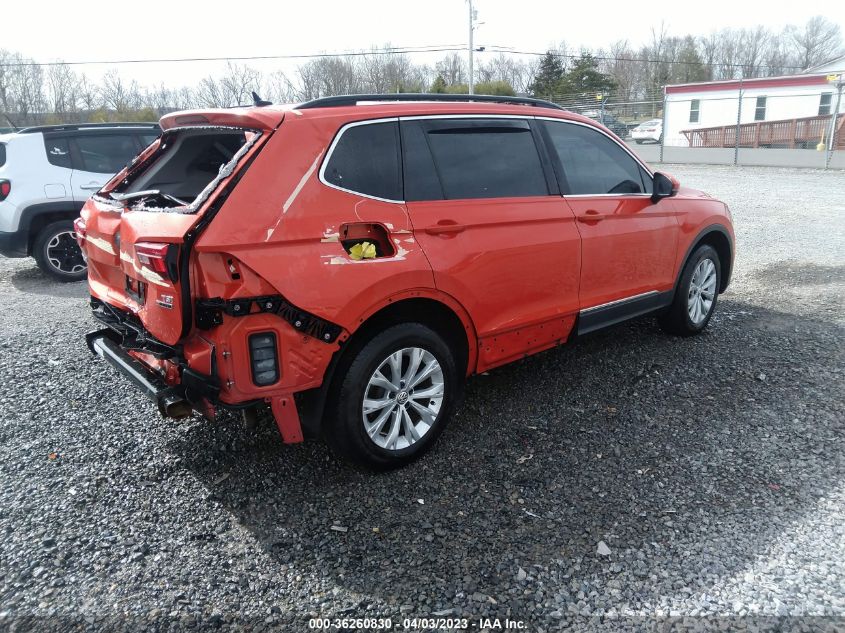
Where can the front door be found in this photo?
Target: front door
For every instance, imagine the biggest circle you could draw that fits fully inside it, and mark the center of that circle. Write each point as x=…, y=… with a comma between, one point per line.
x=499, y=241
x=628, y=243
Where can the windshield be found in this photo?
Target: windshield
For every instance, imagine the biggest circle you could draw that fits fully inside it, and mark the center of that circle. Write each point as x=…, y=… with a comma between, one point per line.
x=185, y=169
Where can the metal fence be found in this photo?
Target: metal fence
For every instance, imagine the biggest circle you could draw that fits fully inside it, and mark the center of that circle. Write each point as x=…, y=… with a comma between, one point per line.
x=802, y=126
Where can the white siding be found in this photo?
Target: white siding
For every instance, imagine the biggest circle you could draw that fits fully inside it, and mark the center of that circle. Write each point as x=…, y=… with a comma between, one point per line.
x=719, y=107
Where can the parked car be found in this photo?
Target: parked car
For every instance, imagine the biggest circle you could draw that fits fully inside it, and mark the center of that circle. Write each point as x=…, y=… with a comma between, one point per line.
x=620, y=128
x=347, y=262
x=46, y=174
x=648, y=131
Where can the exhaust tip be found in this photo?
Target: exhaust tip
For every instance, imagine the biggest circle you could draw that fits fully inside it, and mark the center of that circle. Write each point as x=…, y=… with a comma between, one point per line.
x=173, y=407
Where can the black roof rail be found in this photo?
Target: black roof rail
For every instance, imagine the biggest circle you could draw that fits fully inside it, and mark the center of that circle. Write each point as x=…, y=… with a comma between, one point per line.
x=80, y=126
x=347, y=100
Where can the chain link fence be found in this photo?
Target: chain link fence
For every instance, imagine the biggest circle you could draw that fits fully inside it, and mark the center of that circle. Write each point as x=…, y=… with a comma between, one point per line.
x=744, y=124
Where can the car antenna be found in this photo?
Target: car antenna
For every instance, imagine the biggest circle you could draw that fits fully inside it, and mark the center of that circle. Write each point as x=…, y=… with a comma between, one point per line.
x=258, y=102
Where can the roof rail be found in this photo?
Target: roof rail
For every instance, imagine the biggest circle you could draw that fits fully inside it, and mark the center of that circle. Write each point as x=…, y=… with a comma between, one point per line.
x=80, y=126
x=348, y=100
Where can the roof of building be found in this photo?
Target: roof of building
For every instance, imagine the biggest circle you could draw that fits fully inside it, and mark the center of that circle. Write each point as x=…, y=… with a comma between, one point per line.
x=785, y=81
x=837, y=63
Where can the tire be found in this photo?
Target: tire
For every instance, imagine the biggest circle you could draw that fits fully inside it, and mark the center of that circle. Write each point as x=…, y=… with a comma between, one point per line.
x=639, y=141
x=694, y=303
x=370, y=439
x=56, y=252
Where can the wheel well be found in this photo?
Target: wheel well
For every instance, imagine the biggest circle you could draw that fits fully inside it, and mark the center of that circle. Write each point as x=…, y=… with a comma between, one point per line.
x=429, y=312
x=722, y=245
x=42, y=220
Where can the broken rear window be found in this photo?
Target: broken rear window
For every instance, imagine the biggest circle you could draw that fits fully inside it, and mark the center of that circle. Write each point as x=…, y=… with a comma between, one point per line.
x=185, y=170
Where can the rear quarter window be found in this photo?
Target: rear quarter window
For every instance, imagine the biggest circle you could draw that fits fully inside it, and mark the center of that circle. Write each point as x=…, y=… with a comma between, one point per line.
x=2, y=154
x=58, y=151
x=365, y=160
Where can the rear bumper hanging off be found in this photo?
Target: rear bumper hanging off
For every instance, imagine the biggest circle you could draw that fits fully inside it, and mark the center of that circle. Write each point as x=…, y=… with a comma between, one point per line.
x=170, y=400
x=178, y=401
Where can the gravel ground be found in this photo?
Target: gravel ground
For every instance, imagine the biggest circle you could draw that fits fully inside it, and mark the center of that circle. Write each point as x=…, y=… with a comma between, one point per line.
x=626, y=478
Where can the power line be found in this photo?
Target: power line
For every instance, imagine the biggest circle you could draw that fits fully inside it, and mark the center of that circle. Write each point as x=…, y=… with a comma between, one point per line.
x=435, y=48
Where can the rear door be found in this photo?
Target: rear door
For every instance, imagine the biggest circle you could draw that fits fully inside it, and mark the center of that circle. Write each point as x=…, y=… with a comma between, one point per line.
x=97, y=156
x=628, y=242
x=483, y=204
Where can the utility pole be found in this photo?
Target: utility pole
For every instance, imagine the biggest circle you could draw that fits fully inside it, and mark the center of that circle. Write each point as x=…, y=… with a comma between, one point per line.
x=831, y=137
x=471, y=83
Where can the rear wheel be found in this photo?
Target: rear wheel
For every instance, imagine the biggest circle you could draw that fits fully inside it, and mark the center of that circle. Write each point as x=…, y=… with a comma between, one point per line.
x=696, y=295
x=394, y=398
x=57, y=253
x=639, y=141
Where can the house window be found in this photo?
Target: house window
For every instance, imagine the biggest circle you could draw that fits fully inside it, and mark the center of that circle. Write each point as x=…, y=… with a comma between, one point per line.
x=824, y=103
x=693, y=110
x=760, y=109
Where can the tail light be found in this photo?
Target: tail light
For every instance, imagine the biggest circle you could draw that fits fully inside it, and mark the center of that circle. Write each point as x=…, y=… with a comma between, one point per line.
x=159, y=258
x=81, y=231
x=263, y=358
x=5, y=189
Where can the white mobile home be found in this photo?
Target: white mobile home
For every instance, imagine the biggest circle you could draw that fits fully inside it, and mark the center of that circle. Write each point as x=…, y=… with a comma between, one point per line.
x=796, y=109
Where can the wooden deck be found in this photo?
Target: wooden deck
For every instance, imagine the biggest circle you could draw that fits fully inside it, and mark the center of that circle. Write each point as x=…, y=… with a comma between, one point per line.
x=789, y=133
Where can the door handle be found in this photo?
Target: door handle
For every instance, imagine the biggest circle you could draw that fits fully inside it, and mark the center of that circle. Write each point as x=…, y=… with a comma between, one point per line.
x=445, y=226
x=591, y=216
x=91, y=186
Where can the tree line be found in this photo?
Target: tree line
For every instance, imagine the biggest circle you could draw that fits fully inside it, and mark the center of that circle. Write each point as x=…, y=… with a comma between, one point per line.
x=33, y=94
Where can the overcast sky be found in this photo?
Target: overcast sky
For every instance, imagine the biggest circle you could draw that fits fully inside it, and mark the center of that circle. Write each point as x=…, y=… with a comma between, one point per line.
x=100, y=30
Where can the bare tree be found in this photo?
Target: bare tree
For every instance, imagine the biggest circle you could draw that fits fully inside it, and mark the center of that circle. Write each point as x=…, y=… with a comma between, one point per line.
x=21, y=89
x=209, y=93
x=280, y=89
x=817, y=41
x=63, y=92
x=452, y=69
x=238, y=83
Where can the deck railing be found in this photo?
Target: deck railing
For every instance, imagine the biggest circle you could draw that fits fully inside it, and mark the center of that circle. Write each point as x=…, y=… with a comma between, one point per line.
x=790, y=133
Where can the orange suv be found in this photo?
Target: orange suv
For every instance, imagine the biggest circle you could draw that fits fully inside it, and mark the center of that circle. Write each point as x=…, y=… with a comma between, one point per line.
x=347, y=262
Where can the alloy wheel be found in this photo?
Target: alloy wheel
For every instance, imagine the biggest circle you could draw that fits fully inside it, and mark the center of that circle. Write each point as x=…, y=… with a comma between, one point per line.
x=403, y=398
x=702, y=291
x=64, y=253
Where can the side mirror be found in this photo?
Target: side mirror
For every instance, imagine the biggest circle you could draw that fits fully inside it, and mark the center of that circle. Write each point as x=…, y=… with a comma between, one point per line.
x=664, y=187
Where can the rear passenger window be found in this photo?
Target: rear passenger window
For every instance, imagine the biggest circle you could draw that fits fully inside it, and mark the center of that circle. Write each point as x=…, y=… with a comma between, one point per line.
x=105, y=154
x=58, y=151
x=480, y=158
x=592, y=163
x=366, y=160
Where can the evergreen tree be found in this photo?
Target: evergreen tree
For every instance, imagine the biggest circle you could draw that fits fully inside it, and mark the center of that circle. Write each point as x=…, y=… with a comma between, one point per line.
x=549, y=75
x=438, y=86
x=584, y=78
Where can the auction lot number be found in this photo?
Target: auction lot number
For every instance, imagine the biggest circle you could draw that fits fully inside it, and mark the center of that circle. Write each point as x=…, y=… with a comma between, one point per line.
x=409, y=624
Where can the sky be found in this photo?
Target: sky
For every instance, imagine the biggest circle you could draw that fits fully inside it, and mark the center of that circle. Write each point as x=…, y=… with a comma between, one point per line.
x=99, y=30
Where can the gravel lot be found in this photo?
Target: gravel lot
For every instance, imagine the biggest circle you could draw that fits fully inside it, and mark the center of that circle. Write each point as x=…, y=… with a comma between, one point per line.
x=630, y=474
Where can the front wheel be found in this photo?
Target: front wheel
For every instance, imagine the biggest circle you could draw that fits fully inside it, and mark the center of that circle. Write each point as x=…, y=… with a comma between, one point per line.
x=395, y=397
x=57, y=253
x=696, y=295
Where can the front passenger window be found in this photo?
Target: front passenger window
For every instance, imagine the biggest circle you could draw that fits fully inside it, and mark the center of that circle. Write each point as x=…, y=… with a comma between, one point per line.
x=589, y=162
